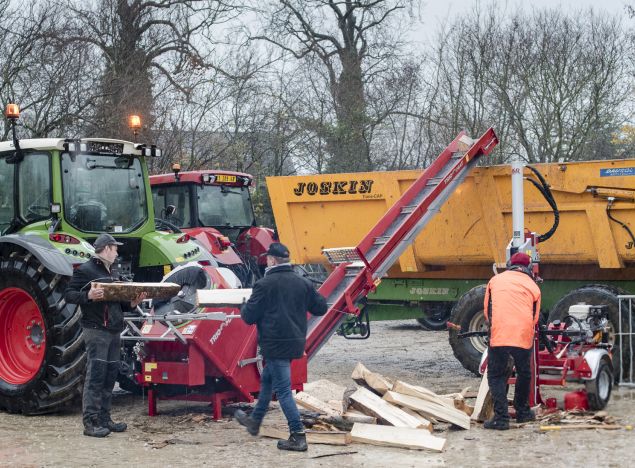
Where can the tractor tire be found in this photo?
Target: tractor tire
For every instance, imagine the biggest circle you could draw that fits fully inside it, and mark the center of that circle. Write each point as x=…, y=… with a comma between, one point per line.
x=600, y=294
x=599, y=389
x=42, y=356
x=468, y=313
x=436, y=315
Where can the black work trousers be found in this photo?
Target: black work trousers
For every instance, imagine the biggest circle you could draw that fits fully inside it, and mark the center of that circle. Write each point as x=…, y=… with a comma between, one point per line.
x=103, y=350
x=498, y=373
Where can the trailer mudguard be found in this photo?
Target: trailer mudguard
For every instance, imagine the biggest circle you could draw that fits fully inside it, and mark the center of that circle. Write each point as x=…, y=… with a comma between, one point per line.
x=50, y=257
x=593, y=357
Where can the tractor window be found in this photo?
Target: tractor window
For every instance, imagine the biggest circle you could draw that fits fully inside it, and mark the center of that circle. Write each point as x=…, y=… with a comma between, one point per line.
x=223, y=206
x=103, y=193
x=6, y=195
x=34, y=192
x=179, y=197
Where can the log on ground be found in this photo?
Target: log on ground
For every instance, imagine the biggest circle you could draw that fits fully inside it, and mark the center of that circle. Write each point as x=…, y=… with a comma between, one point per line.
x=404, y=437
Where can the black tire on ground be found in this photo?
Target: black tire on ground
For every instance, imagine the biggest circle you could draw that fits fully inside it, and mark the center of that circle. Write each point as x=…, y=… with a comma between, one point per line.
x=59, y=379
x=436, y=315
x=599, y=294
x=468, y=313
x=599, y=389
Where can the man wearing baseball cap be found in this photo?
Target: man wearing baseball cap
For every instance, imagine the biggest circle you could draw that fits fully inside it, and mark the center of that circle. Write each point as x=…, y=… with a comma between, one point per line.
x=512, y=307
x=102, y=323
x=278, y=306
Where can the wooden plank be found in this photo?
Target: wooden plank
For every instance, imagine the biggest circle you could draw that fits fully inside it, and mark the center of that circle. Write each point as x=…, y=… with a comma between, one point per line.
x=424, y=407
x=222, y=297
x=422, y=419
x=311, y=403
x=377, y=382
x=369, y=403
x=403, y=437
x=312, y=437
x=123, y=292
x=484, y=406
x=421, y=392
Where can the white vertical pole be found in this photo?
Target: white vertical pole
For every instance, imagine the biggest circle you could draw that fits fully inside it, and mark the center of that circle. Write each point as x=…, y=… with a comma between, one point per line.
x=518, y=202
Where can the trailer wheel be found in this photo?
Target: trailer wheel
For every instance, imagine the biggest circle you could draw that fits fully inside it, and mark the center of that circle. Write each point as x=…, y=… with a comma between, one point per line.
x=600, y=294
x=599, y=389
x=435, y=315
x=468, y=313
x=42, y=358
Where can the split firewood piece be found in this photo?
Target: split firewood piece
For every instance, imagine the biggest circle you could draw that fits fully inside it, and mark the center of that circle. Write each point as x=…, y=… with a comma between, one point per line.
x=376, y=382
x=369, y=403
x=125, y=292
x=403, y=437
x=312, y=437
x=424, y=407
x=311, y=403
x=421, y=392
x=423, y=419
x=484, y=406
x=325, y=390
x=355, y=416
x=222, y=297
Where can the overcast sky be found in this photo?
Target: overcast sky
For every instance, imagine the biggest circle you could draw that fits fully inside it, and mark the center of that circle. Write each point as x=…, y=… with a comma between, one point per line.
x=435, y=12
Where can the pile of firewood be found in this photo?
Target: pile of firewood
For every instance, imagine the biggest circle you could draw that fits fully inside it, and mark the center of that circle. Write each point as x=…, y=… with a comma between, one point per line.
x=380, y=412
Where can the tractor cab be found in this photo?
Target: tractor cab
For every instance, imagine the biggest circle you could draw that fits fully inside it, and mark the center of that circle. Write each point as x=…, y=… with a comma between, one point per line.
x=215, y=207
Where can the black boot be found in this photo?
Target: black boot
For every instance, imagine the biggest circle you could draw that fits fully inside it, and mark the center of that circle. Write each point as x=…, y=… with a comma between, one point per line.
x=525, y=416
x=497, y=424
x=253, y=427
x=92, y=428
x=113, y=426
x=296, y=443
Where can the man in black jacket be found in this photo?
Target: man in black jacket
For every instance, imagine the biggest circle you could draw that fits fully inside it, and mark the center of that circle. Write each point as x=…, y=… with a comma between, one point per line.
x=278, y=306
x=102, y=323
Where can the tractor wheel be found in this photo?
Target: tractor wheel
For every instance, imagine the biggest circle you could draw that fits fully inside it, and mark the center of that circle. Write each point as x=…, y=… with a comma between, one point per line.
x=42, y=358
x=599, y=389
x=600, y=294
x=468, y=313
x=436, y=315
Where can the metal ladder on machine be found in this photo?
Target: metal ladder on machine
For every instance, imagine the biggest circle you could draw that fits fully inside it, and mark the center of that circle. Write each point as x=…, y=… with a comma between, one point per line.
x=358, y=270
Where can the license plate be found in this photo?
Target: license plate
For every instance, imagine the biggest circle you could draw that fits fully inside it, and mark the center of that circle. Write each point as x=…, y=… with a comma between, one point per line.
x=225, y=178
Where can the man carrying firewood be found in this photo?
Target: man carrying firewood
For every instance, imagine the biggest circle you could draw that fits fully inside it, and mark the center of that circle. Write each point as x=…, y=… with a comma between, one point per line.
x=102, y=323
x=512, y=307
x=278, y=306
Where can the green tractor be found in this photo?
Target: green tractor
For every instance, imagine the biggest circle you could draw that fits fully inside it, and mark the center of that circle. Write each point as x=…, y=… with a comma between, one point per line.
x=57, y=196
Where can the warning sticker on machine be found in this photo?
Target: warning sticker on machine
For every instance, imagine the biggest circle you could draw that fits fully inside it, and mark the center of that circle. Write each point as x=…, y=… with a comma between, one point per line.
x=617, y=171
x=189, y=329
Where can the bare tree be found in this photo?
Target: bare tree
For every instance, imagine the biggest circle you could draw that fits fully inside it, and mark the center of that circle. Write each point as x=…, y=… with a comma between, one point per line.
x=352, y=41
x=141, y=43
x=554, y=85
x=52, y=85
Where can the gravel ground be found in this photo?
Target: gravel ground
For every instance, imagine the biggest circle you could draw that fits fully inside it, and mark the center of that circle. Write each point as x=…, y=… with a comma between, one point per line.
x=183, y=434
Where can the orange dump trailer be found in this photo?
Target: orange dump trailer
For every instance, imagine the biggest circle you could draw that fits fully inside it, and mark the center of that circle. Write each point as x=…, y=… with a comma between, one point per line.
x=589, y=257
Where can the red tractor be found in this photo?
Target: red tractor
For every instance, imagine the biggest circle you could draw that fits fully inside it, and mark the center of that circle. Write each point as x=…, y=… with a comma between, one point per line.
x=215, y=208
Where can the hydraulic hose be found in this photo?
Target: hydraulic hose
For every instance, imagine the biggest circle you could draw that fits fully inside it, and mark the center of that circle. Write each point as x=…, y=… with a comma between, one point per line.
x=543, y=188
x=612, y=218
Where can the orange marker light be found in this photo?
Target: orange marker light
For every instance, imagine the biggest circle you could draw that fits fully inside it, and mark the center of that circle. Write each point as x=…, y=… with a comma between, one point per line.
x=134, y=122
x=176, y=167
x=12, y=111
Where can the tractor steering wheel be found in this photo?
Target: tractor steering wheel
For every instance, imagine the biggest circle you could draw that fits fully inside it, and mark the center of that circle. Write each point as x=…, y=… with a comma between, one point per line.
x=38, y=211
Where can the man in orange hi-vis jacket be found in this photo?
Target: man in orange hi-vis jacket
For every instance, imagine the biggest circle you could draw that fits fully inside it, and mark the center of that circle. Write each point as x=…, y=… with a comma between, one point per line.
x=512, y=307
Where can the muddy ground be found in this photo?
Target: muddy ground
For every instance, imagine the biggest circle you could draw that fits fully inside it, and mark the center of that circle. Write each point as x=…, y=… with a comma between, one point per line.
x=183, y=434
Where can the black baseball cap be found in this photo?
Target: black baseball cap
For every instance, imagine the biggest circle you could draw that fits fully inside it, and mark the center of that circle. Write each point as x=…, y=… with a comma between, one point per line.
x=104, y=240
x=276, y=249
